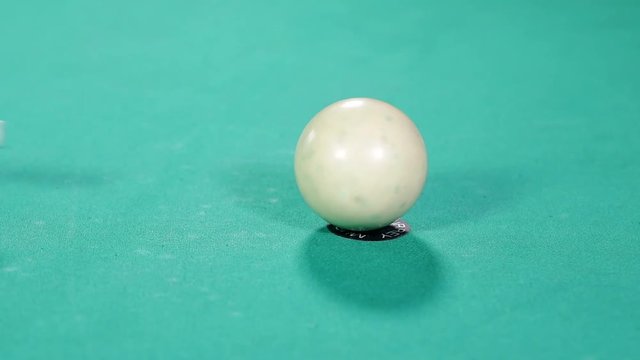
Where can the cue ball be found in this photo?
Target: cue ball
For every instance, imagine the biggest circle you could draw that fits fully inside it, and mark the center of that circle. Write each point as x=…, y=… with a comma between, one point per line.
x=360, y=164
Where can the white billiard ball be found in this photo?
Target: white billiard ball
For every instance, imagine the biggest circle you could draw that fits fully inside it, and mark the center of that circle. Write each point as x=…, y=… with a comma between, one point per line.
x=360, y=164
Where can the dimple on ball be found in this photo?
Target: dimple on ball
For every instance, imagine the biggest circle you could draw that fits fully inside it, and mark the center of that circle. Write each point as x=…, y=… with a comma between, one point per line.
x=360, y=164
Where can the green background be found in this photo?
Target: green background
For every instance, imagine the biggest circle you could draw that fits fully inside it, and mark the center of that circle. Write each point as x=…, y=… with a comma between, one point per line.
x=148, y=207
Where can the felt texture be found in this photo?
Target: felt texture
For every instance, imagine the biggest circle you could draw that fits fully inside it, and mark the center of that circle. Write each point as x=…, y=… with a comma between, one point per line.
x=148, y=207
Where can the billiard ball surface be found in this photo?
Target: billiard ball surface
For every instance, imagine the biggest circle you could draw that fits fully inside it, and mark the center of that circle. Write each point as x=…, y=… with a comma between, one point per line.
x=360, y=164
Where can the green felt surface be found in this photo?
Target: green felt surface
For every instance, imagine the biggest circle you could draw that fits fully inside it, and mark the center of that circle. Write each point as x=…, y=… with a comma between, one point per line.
x=148, y=207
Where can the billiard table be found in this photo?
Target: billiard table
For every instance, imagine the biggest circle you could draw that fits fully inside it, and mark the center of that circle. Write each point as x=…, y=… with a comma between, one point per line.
x=148, y=206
